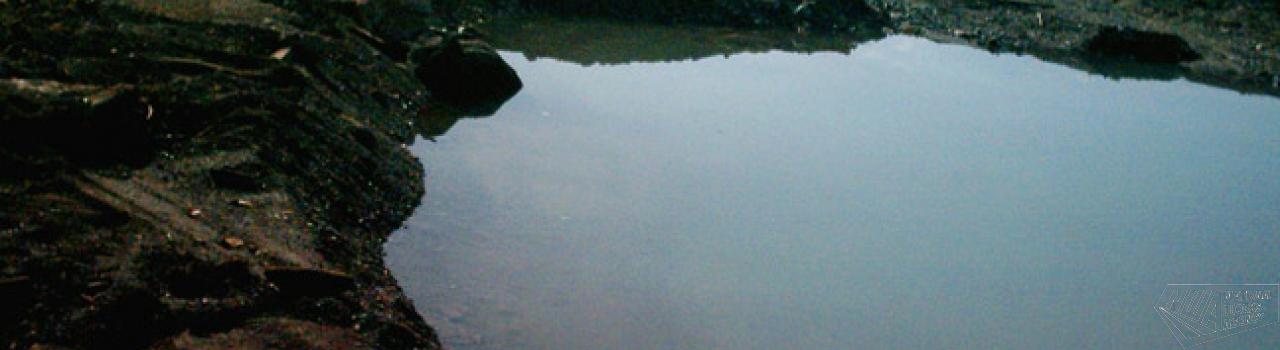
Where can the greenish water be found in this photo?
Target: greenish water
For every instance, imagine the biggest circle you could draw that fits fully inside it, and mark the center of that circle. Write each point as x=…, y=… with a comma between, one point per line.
x=905, y=195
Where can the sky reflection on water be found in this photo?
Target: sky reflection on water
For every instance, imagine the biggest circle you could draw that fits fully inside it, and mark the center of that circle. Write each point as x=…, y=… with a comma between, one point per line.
x=906, y=195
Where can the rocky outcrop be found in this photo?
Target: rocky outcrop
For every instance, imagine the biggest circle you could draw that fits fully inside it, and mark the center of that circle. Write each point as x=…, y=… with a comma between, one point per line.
x=1228, y=43
x=208, y=174
x=1141, y=46
x=467, y=73
x=811, y=15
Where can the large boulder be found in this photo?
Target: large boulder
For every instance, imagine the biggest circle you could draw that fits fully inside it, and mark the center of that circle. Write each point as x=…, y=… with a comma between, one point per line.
x=466, y=73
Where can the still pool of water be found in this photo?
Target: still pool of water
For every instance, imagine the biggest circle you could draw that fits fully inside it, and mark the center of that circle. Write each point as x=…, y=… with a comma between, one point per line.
x=906, y=195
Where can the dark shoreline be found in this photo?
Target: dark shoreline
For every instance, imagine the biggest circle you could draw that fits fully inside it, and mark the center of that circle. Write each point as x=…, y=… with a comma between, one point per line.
x=215, y=174
x=1236, y=43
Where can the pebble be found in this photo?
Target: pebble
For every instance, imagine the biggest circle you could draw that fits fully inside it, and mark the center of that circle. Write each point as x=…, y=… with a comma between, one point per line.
x=233, y=242
x=281, y=53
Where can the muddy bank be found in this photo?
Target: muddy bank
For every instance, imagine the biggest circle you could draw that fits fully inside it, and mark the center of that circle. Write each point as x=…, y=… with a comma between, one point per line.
x=605, y=41
x=1233, y=44
x=816, y=15
x=210, y=174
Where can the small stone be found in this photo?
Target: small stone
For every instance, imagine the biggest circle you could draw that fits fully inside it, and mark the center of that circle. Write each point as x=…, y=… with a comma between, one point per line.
x=280, y=54
x=233, y=242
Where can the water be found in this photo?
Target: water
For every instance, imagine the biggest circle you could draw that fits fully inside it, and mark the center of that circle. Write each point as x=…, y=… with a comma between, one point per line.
x=905, y=195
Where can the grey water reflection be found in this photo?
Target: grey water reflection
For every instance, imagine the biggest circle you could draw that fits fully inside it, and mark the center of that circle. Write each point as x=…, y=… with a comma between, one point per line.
x=903, y=195
x=588, y=42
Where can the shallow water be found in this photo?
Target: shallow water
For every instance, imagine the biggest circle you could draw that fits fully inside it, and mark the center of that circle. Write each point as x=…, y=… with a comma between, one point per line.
x=905, y=195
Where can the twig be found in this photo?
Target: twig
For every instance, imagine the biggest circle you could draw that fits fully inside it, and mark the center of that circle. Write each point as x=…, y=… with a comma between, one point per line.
x=214, y=66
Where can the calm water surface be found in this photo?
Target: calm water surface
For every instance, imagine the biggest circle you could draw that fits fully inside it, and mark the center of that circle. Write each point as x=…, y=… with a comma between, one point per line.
x=908, y=195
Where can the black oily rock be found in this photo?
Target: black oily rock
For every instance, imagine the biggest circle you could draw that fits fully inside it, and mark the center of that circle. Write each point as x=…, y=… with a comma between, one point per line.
x=466, y=73
x=1142, y=46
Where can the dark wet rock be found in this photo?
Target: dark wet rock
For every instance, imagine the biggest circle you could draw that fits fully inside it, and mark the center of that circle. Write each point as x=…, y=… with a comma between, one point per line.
x=31, y=99
x=39, y=346
x=603, y=41
x=15, y=297
x=193, y=279
x=467, y=73
x=129, y=319
x=93, y=124
x=402, y=20
x=1211, y=42
x=308, y=282
x=285, y=334
x=1142, y=46
x=1127, y=68
x=244, y=177
x=818, y=15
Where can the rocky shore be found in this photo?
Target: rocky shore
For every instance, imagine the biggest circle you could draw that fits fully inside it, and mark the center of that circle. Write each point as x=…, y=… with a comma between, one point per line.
x=1233, y=44
x=212, y=174
x=219, y=174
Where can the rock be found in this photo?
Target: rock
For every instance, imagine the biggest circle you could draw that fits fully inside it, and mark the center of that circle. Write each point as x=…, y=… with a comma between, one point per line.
x=401, y=20
x=244, y=178
x=40, y=346
x=36, y=99
x=15, y=297
x=129, y=319
x=233, y=242
x=281, y=53
x=819, y=15
x=15, y=286
x=1142, y=46
x=466, y=73
x=191, y=278
x=308, y=282
x=91, y=124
